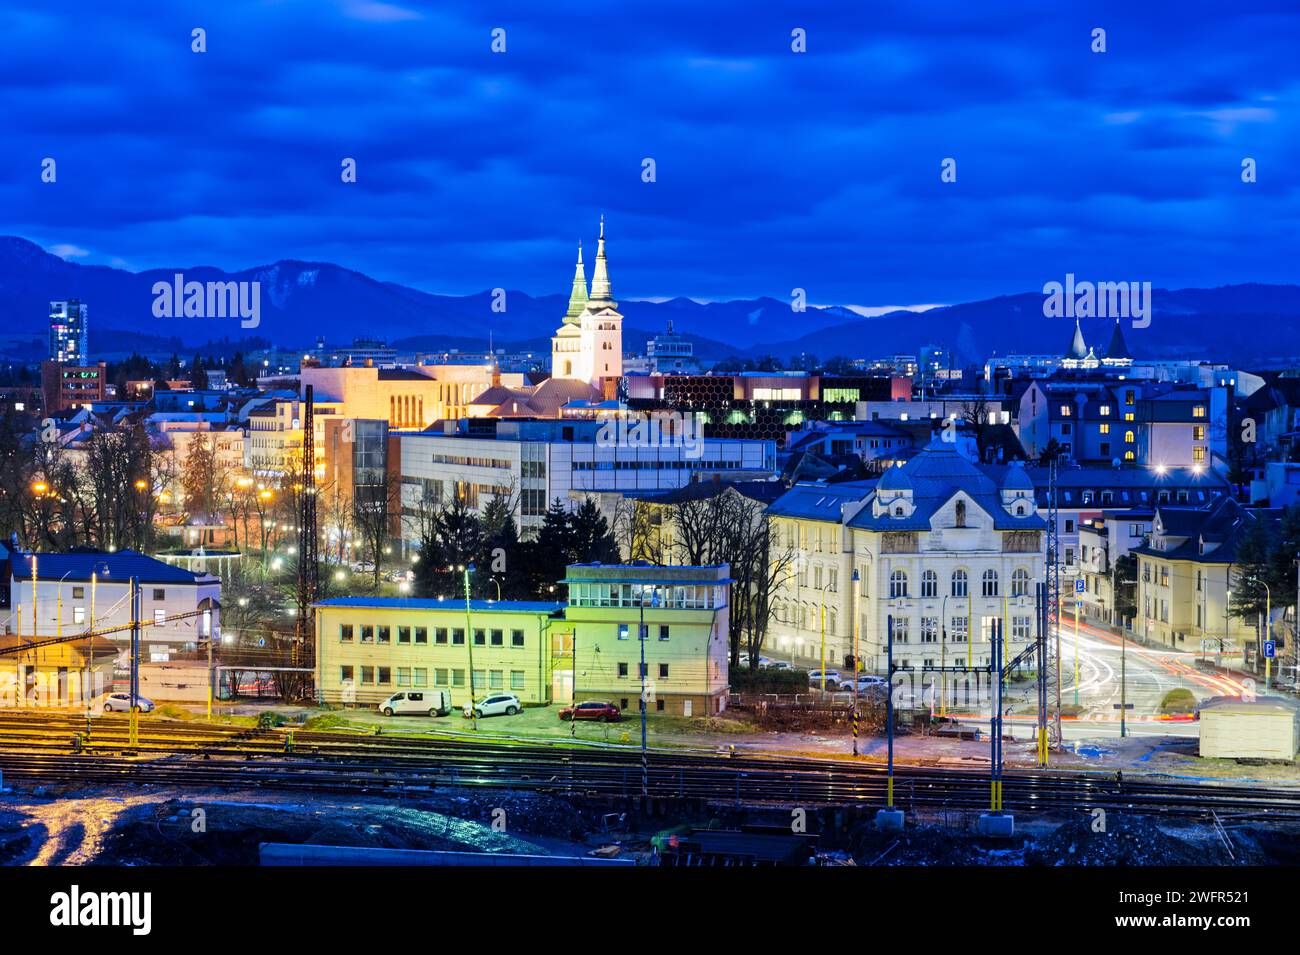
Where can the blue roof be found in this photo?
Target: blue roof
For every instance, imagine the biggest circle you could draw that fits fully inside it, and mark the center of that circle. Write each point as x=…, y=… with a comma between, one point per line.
x=936, y=474
x=455, y=603
x=119, y=565
x=815, y=501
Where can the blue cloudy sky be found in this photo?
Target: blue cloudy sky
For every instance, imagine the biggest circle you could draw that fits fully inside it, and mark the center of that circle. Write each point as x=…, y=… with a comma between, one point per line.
x=774, y=169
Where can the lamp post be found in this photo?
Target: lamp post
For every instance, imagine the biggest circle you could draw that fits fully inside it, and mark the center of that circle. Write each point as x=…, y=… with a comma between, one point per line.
x=469, y=643
x=1268, y=629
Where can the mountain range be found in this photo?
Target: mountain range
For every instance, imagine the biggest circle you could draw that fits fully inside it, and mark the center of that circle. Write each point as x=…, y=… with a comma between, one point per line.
x=300, y=301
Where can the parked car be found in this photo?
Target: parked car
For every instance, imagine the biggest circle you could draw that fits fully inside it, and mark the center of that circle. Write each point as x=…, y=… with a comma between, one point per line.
x=417, y=703
x=591, y=710
x=765, y=664
x=815, y=678
x=121, y=703
x=498, y=704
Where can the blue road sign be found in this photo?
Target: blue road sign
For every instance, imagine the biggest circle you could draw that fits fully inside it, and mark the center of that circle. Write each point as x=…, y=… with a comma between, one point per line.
x=1270, y=649
x=1078, y=586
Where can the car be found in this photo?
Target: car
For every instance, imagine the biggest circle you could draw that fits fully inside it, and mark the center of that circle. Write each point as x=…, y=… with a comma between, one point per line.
x=498, y=704
x=121, y=703
x=864, y=682
x=592, y=710
x=774, y=664
x=417, y=703
x=832, y=677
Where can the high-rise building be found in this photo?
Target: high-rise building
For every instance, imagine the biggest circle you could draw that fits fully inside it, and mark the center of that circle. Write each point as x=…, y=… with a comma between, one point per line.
x=68, y=332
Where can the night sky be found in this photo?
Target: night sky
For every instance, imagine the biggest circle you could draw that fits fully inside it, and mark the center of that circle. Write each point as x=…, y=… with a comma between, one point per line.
x=774, y=169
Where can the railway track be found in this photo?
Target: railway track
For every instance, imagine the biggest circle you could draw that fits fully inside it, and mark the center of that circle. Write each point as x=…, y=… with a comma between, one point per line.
x=189, y=756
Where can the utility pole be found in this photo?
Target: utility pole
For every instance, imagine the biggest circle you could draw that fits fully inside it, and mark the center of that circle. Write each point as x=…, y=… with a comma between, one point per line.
x=469, y=642
x=1052, y=633
x=857, y=626
x=641, y=634
x=303, y=650
x=889, y=707
x=135, y=659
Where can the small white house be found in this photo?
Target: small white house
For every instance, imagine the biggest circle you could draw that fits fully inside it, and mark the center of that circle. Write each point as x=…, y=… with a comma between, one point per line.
x=1267, y=727
x=64, y=594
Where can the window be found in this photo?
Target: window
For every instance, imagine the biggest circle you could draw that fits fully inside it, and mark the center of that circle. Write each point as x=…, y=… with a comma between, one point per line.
x=959, y=629
x=929, y=629
x=516, y=679
x=78, y=593
x=1198, y=434
x=516, y=638
x=367, y=633
x=900, y=629
x=1104, y=429
x=345, y=633
x=385, y=676
x=367, y=674
x=1020, y=628
x=989, y=583
x=403, y=676
x=384, y=635
x=929, y=584
x=898, y=584
x=480, y=680
x=345, y=674
x=622, y=670
x=1104, y=411
x=663, y=671
x=959, y=582
x=480, y=637
x=1020, y=583
x=961, y=514
x=496, y=679
x=1198, y=454
x=159, y=594
x=1129, y=437
x=403, y=634
x=440, y=635
x=624, y=631
x=1198, y=411
x=159, y=616
x=422, y=635
x=78, y=614
x=663, y=631
x=457, y=636
x=458, y=677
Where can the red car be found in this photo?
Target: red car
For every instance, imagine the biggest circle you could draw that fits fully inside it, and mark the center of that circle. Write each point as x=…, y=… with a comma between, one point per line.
x=600, y=712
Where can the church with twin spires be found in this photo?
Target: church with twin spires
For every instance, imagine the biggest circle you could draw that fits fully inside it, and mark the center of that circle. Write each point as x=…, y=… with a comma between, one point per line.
x=588, y=345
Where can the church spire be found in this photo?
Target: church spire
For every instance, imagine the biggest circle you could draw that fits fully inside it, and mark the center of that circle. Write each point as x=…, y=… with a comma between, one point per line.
x=1078, y=350
x=578, y=297
x=600, y=291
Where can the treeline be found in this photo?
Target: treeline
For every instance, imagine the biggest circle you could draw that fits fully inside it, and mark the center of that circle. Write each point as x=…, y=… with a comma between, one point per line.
x=452, y=536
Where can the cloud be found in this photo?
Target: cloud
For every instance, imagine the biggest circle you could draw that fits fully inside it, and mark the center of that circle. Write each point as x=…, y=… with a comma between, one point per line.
x=775, y=169
x=66, y=251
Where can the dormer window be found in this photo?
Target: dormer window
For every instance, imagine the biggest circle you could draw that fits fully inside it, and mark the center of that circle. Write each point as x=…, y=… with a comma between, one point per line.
x=961, y=514
x=1020, y=510
x=898, y=510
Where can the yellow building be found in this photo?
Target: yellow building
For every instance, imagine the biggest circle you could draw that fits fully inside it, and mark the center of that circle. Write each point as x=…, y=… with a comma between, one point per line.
x=368, y=648
x=1186, y=575
x=595, y=654
x=54, y=675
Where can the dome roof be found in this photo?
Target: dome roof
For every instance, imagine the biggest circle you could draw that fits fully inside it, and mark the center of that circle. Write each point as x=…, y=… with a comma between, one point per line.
x=894, y=480
x=1017, y=480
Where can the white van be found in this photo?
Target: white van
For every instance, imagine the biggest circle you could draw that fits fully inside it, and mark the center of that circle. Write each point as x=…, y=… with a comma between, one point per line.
x=417, y=703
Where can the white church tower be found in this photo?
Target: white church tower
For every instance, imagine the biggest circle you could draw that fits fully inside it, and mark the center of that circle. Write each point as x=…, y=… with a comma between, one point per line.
x=588, y=346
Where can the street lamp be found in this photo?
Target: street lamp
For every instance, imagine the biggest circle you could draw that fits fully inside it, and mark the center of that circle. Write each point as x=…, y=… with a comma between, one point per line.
x=469, y=643
x=1268, y=628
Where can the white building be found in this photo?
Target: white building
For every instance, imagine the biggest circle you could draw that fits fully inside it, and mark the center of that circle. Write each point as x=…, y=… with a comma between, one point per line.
x=539, y=461
x=938, y=546
x=60, y=594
